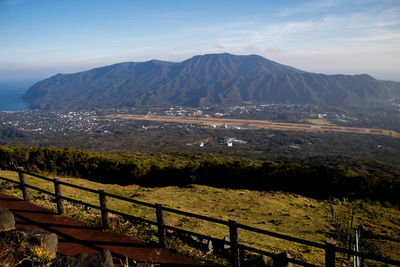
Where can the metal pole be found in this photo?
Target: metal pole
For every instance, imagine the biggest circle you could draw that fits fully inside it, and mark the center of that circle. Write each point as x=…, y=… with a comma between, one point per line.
x=356, y=259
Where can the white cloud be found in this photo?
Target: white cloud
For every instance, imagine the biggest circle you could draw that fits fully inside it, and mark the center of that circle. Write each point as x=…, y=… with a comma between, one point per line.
x=218, y=46
x=253, y=49
x=362, y=42
x=313, y=36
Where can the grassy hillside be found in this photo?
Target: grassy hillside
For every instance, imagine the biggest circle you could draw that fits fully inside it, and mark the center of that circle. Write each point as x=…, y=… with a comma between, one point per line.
x=179, y=169
x=286, y=213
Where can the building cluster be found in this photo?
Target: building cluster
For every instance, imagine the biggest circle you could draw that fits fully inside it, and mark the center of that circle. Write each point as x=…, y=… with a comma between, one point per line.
x=96, y=121
x=64, y=123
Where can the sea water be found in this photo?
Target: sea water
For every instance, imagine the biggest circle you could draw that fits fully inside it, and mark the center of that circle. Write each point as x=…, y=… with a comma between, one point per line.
x=11, y=95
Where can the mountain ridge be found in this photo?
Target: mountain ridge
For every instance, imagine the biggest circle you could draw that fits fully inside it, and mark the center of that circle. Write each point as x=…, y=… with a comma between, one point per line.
x=206, y=80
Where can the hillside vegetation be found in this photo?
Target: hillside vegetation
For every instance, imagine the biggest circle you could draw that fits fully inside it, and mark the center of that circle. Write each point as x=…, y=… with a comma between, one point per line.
x=280, y=212
x=319, y=181
x=203, y=81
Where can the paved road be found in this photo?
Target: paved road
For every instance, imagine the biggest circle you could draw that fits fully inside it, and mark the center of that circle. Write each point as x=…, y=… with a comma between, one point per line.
x=74, y=237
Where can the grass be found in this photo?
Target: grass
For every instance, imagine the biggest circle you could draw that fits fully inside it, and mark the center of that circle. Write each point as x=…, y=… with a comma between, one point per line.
x=320, y=121
x=280, y=212
x=23, y=253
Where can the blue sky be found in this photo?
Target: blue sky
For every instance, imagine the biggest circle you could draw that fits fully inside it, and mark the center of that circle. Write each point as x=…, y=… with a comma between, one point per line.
x=39, y=38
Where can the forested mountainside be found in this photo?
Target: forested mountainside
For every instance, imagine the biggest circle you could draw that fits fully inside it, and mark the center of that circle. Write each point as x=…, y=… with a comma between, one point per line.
x=206, y=80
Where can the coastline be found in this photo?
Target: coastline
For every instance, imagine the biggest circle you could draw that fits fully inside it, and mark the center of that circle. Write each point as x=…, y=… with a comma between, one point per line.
x=11, y=94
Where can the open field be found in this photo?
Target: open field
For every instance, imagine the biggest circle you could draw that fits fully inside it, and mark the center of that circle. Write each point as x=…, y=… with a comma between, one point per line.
x=320, y=122
x=257, y=124
x=280, y=212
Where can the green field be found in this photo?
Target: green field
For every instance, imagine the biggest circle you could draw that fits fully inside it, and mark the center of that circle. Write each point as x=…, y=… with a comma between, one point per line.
x=280, y=212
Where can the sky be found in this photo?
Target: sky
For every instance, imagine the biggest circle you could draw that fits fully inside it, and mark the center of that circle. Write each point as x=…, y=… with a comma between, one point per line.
x=40, y=38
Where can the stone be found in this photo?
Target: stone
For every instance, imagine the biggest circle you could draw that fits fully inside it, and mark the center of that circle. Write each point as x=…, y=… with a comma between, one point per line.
x=226, y=245
x=100, y=259
x=7, y=221
x=45, y=240
x=201, y=243
x=258, y=261
x=266, y=260
x=210, y=246
x=194, y=238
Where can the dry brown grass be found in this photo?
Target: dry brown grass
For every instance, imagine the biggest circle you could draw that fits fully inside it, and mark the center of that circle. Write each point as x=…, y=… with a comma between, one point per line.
x=320, y=122
x=22, y=254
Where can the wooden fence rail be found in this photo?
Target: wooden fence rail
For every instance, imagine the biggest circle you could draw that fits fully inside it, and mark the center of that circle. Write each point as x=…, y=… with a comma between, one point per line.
x=235, y=247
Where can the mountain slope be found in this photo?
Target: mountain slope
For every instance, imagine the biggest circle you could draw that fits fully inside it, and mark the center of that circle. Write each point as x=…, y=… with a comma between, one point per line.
x=206, y=80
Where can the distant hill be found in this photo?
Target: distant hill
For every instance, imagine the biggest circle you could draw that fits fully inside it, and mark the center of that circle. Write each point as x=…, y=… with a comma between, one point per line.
x=206, y=80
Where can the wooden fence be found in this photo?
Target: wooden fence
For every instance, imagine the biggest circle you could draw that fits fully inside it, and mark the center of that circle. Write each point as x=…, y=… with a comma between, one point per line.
x=235, y=247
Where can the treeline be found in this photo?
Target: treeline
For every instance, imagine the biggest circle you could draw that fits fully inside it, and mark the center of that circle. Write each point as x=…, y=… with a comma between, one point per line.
x=7, y=132
x=319, y=181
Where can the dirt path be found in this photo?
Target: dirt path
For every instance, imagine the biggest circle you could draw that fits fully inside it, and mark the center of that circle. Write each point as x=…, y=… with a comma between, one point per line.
x=74, y=237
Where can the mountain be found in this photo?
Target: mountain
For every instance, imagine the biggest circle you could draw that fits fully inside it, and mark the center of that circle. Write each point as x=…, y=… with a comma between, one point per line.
x=206, y=80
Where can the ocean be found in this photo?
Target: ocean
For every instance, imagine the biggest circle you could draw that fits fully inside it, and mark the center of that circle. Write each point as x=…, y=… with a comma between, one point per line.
x=11, y=95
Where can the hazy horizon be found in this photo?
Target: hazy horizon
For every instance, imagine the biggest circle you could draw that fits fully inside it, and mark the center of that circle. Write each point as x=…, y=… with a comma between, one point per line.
x=43, y=38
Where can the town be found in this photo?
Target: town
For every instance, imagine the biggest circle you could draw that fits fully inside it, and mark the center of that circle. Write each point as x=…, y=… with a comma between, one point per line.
x=44, y=122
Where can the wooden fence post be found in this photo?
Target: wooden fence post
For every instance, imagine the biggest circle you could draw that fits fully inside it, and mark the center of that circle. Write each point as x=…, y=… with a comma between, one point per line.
x=234, y=240
x=330, y=257
x=103, y=208
x=59, y=201
x=162, y=232
x=22, y=183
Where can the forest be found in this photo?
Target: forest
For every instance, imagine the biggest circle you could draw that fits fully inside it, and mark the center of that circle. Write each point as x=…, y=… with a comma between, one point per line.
x=319, y=180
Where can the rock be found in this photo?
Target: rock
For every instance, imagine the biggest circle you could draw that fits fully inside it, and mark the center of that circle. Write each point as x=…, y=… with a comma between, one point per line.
x=45, y=240
x=210, y=246
x=7, y=221
x=266, y=261
x=258, y=261
x=194, y=238
x=100, y=259
x=227, y=246
x=206, y=244
x=201, y=243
